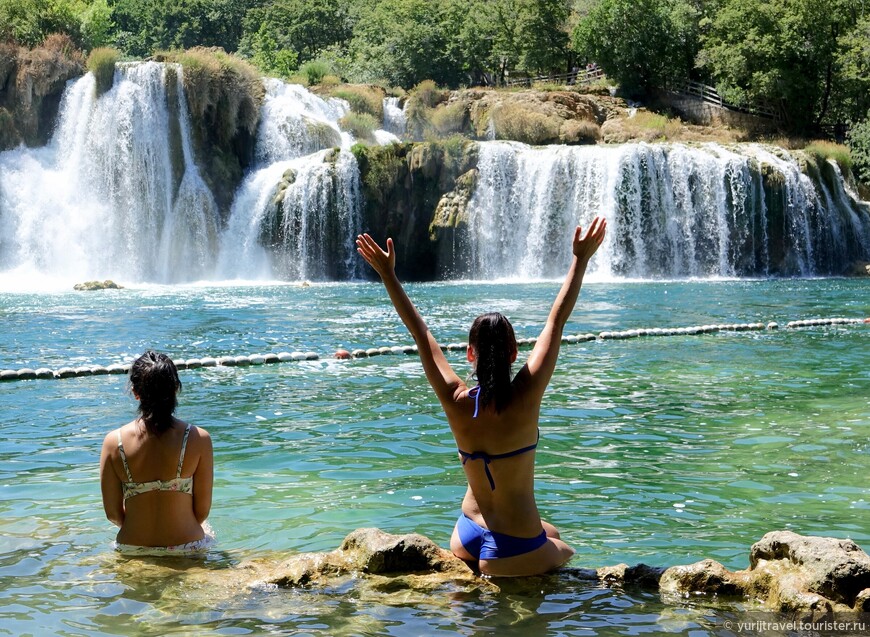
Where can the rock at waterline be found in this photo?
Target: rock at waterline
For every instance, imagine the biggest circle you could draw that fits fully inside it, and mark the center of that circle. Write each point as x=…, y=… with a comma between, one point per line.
x=788, y=573
x=802, y=576
x=97, y=285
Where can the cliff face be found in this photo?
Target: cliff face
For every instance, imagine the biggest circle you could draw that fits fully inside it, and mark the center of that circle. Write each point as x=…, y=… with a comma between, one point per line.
x=416, y=193
x=32, y=82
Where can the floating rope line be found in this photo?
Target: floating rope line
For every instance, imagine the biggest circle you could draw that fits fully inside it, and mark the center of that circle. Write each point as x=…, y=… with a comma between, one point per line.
x=285, y=357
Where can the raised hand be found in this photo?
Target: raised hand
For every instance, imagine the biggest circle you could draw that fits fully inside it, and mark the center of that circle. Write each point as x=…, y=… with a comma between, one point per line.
x=586, y=246
x=384, y=263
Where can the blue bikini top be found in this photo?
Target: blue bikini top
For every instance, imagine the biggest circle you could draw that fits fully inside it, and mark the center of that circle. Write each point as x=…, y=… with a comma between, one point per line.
x=482, y=455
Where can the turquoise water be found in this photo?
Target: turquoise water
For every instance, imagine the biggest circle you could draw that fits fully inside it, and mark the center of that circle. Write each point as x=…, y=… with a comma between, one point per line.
x=659, y=450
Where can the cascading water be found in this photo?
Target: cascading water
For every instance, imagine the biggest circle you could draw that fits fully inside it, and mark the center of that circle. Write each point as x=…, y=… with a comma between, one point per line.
x=117, y=194
x=394, y=117
x=297, y=214
x=673, y=211
x=114, y=194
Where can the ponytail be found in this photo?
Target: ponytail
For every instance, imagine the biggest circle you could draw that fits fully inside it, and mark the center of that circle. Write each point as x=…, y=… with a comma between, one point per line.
x=154, y=379
x=494, y=343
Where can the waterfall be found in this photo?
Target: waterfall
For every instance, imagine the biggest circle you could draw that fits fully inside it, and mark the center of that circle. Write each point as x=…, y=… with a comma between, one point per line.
x=297, y=214
x=394, y=117
x=673, y=211
x=115, y=193
x=295, y=220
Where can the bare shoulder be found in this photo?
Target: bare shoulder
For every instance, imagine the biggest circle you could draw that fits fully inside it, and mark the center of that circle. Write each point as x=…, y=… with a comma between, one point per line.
x=199, y=438
x=110, y=442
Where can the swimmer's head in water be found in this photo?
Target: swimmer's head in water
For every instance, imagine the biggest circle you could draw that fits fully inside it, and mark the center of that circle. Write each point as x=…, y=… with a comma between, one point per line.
x=492, y=348
x=154, y=380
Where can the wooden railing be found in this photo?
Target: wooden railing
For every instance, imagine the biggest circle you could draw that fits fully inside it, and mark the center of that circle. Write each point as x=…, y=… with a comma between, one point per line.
x=710, y=95
x=581, y=76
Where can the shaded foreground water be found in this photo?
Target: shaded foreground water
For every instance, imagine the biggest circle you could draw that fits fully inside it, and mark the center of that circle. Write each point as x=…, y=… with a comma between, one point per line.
x=662, y=450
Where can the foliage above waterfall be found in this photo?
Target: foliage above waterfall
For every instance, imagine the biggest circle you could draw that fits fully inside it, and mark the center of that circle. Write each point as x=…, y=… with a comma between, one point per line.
x=807, y=58
x=101, y=62
x=31, y=84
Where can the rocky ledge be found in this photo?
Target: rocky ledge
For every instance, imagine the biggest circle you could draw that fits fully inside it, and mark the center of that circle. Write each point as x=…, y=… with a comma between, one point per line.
x=788, y=573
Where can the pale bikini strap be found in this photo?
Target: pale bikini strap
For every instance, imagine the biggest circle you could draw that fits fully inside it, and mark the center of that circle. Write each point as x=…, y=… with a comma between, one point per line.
x=183, y=448
x=124, y=457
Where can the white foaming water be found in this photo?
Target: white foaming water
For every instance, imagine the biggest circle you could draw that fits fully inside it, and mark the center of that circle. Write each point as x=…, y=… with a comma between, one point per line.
x=672, y=211
x=109, y=196
x=308, y=234
x=394, y=117
x=295, y=122
x=117, y=194
x=308, y=231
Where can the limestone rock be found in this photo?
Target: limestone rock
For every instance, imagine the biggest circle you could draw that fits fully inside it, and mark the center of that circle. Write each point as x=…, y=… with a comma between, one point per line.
x=708, y=576
x=623, y=574
x=837, y=569
x=97, y=285
x=412, y=561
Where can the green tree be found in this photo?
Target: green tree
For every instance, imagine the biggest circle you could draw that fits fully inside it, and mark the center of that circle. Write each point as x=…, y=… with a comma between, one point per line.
x=144, y=26
x=543, y=40
x=405, y=42
x=859, y=147
x=28, y=22
x=642, y=44
x=783, y=52
x=851, y=95
x=294, y=30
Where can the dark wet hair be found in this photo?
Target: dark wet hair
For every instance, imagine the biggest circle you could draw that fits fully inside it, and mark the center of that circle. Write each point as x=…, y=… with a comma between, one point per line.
x=154, y=378
x=492, y=337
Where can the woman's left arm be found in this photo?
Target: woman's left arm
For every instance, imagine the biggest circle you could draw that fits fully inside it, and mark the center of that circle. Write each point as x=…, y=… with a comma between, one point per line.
x=440, y=374
x=110, y=483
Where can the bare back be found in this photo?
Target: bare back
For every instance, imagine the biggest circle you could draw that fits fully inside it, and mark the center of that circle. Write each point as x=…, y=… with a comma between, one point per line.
x=161, y=513
x=510, y=507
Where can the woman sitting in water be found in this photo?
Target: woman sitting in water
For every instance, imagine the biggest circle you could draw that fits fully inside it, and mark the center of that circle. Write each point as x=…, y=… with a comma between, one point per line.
x=156, y=472
x=495, y=424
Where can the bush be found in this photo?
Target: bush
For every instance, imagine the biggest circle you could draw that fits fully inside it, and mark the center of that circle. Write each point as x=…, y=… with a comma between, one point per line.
x=315, y=70
x=859, y=145
x=428, y=94
x=101, y=62
x=449, y=119
x=362, y=99
x=579, y=131
x=824, y=150
x=360, y=125
x=330, y=81
x=512, y=121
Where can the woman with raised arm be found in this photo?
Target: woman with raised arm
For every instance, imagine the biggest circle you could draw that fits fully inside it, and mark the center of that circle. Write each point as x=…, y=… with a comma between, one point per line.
x=156, y=472
x=495, y=424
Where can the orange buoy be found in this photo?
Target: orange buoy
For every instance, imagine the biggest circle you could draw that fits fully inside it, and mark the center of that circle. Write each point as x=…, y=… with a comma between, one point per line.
x=342, y=354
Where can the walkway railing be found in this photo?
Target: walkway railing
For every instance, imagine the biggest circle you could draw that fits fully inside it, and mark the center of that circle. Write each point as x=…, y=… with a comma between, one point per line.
x=710, y=95
x=581, y=76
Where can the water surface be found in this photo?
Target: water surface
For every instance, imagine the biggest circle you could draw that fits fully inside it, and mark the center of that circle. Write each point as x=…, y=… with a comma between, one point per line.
x=662, y=450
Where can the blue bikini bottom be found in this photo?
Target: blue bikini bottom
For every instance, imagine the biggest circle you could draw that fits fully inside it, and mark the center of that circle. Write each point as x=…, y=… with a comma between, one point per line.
x=484, y=544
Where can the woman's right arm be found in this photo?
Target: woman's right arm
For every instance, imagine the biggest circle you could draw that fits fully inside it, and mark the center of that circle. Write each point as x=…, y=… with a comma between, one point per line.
x=542, y=361
x=440, y=374
x=203, y=476
x=110, y=483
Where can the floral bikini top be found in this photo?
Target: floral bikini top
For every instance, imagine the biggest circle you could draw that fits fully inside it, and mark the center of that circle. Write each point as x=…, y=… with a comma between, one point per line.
x=179, y=484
